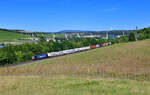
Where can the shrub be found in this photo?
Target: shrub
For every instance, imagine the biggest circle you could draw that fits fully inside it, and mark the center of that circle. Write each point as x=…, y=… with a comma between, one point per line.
x=132, y=37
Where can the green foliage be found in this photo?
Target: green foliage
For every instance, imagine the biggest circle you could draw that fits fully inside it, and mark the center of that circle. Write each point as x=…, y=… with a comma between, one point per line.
x=7, y=56
x=20, y=53
x=9, y=36
x=42, y=39
x=141, y=36
x=132, y=36
x=3, y=58
x=144, y=34
x=124, y=39
x=19, y=56
x=113, y=41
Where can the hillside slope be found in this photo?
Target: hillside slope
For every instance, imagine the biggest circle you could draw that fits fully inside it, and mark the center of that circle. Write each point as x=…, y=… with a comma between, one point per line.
x=128, y=59
x=121, y=69
x=10, y=36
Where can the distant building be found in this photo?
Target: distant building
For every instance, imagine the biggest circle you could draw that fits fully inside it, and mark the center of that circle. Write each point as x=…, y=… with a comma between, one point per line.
x=118, y=36
x=50, y=39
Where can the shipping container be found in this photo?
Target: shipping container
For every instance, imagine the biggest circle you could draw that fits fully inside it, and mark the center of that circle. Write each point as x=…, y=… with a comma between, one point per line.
x=106, y=44
x=66, y=51
x=87, y=48
x=109, y=43
x=77, y=50
x=33, y=57
x=97, y=45
x=93, y=46
x=72, y=50
x=53, y=54
x=84, y=48
x=102, y=45
x=61, y=53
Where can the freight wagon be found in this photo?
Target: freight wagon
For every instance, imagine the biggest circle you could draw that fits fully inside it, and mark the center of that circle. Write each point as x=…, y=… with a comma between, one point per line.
x=106, y=44
x=109, y=43
x=102, y=45
x=93, y=46
x=97, y=46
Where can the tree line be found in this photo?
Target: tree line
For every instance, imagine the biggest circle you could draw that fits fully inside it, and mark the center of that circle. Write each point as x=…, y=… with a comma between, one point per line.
x=20, y=53
x=141, y=35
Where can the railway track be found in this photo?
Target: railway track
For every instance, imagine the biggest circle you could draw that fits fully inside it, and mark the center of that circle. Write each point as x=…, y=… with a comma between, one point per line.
x=36, y=61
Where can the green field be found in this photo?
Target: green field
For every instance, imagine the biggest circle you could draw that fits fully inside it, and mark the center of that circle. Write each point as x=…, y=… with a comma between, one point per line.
x=121, y=69
x=10, y=36
x=51, y=35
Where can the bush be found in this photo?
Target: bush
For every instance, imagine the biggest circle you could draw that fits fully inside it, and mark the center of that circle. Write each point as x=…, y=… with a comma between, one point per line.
x=132, y=37
x=141, y=36
x=124, y=39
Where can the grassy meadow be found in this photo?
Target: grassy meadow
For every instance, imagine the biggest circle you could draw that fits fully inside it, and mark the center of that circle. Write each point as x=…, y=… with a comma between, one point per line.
x=35, y=85
x=6, y=36
x=120, y=69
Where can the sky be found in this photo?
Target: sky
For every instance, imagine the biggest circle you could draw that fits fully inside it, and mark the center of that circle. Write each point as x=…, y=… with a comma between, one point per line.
x=56, y=15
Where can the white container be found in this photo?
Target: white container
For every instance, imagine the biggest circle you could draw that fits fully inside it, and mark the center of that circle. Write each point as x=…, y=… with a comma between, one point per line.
x=97, y=46
x=52, y=54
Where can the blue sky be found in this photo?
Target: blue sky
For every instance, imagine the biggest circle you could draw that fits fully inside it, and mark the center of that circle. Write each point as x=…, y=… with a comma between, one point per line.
x=56, y=15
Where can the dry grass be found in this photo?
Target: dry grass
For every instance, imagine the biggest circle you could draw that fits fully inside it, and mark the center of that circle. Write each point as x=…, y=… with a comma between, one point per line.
x=129, y=60
x=35, y=85
x=103, y=71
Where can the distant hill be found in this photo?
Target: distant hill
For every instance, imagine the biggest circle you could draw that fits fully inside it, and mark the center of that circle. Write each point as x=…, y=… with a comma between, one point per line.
x=10, y=30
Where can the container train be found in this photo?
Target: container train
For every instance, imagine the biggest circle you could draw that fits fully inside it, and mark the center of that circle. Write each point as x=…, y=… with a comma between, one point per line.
x=71, y=51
